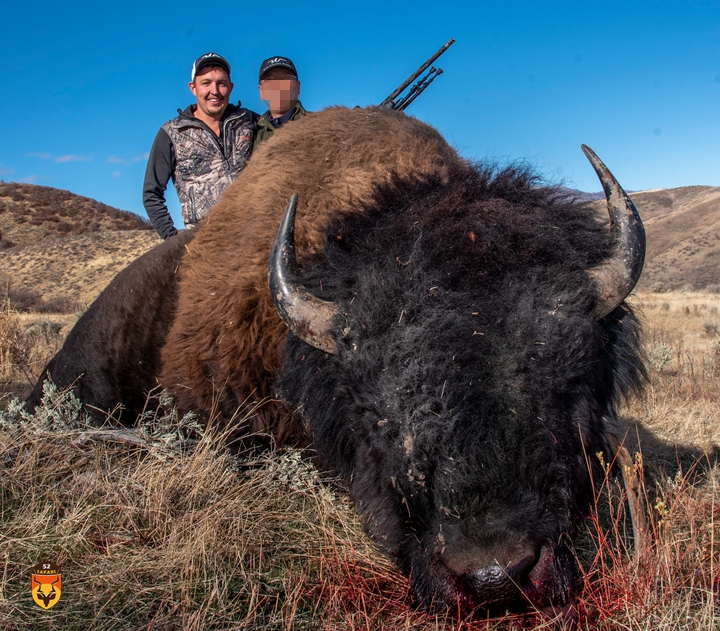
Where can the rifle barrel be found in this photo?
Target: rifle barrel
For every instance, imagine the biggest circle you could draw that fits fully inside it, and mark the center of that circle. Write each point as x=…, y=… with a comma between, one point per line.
x=418, y=89
x=389, y=101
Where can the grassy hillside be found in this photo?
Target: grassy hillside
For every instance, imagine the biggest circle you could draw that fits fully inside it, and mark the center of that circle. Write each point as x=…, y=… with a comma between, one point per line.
x=683, y=237
x=30, y=213
x=59, y=250
x=76, y=267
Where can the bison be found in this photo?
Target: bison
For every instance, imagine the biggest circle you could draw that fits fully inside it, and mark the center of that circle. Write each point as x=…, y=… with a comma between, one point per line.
x=451, y=338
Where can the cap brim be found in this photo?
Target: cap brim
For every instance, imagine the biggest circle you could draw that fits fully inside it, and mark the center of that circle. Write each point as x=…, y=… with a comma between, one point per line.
x=278, y=65
x=211, y=62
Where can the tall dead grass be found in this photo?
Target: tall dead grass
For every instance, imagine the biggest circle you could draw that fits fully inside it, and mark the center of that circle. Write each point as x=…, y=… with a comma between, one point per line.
x=682, y=339
x=675, y=582
x=159, y=528
x=27, y=342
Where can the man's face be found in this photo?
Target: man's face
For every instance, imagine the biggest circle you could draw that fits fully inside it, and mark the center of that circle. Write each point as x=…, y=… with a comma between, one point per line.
x=280, y=90
x=212, y=88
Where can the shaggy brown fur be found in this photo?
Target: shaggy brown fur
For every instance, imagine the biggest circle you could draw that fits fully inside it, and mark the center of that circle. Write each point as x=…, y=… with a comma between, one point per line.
x=223, y=348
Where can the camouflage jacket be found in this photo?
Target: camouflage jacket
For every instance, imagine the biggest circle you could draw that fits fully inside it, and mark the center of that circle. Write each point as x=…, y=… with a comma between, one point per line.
x=200, y=164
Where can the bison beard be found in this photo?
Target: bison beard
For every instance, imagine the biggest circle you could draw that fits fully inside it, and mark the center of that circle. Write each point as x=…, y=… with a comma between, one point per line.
x=471, y=365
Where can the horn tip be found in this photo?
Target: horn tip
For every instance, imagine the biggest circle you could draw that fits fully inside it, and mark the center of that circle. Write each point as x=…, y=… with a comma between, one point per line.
x=589, y=153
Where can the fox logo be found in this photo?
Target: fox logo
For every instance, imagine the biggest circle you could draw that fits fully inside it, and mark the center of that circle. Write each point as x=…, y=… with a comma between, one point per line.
x=46, y=584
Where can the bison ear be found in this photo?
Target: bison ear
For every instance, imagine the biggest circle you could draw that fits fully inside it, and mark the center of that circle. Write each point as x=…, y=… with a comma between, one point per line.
x=305, y=315
x=618, y=275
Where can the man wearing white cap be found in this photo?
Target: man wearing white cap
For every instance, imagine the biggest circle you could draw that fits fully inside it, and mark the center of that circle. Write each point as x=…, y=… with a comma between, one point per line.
x=202, y=149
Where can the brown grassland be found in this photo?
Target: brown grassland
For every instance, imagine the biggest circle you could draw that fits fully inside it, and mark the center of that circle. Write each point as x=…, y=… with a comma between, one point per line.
x=158, y=528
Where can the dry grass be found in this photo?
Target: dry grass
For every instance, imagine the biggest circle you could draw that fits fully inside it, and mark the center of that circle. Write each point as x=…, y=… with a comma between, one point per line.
x=75, y=267
x=676, y=582
x=27, y=342
x=681, y=405
x=169, y=532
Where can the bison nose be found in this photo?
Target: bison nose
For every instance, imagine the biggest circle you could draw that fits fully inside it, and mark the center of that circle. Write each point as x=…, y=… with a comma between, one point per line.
x=501, y=585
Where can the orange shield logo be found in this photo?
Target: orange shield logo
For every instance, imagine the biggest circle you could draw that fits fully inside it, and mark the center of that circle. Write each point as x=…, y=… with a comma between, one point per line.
x=46, y=584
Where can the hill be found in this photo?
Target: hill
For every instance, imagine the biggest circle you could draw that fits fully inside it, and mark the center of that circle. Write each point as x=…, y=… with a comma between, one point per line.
x=683, y=237
x=58, y=248
x=77, y=267
x=30, y=213
x=683, y=228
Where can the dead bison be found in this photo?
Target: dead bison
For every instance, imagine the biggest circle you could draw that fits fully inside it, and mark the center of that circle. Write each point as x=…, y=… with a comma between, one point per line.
x=458, y=340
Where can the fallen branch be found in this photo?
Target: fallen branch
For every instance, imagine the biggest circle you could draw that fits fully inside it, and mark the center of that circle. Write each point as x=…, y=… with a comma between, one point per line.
x=632, y=480
x=111, y=435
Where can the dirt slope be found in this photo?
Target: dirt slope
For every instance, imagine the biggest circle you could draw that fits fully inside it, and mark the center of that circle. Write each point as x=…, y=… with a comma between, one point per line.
x=61, y=245
x=683, y=237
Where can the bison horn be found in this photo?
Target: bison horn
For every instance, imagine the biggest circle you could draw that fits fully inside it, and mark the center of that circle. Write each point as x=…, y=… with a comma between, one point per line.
x=306, y=316
x=616, y=277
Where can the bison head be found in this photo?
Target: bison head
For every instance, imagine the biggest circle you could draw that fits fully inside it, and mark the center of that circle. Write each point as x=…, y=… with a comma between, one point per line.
x=457, y=347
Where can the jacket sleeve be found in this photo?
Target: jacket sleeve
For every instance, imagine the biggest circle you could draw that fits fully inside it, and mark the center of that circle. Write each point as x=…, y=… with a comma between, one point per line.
x=160, y=168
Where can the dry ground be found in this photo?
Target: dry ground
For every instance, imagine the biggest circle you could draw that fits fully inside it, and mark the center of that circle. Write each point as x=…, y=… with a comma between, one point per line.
x=155, y=530
x=77, y=267
x=679, y=414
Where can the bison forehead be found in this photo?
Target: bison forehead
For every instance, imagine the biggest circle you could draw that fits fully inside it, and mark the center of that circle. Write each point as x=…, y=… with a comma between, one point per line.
x=471, y=368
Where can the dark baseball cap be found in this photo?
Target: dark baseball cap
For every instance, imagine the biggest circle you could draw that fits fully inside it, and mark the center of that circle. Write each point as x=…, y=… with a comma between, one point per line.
x=276, y=62
x=209, y=59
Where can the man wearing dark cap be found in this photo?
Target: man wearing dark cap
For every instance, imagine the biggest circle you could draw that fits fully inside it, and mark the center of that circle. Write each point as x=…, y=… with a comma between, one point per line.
x=280, y=89
x=202, y=149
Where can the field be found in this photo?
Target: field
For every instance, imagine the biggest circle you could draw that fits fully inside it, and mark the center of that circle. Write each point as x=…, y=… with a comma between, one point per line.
x=159, y=529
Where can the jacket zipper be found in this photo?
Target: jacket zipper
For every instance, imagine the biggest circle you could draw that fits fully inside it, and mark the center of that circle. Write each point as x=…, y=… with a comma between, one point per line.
x=193, y=211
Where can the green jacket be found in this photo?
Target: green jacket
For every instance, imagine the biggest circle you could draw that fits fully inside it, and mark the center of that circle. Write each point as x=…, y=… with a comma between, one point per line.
x=265, y=128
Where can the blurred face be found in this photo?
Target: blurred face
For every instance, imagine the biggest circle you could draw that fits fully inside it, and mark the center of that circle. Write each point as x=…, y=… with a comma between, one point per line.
x=212, y=88
x=280, y=89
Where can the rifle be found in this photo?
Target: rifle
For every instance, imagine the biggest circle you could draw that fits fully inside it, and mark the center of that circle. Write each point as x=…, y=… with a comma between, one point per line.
x=391, y=104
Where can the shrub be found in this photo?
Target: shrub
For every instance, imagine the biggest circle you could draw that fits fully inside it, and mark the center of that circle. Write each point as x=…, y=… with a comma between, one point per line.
x=661, y=356
x=25, y=350
x=20, y=299
x=61, y=304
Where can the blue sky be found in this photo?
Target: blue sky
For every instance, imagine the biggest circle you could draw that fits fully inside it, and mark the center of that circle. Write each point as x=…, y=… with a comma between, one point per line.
x=87, y=85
